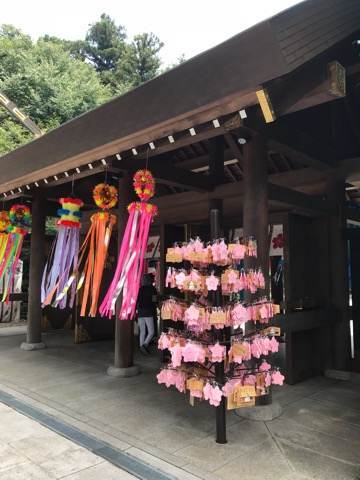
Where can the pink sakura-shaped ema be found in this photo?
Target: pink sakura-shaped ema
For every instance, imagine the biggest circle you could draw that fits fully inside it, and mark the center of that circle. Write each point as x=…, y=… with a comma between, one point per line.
x=223, y=252
x=250, y=380
x=238, y=252
x=217, y=352
x=277, y=378
x=180, y=279
x=274, y=345
x=232, y=277
x=193, y=352
x=212, y=394
x=192, y=314
x=265, y=366
x=198, y=246
x=176, y=355
x=212, y=282
x=239, y=314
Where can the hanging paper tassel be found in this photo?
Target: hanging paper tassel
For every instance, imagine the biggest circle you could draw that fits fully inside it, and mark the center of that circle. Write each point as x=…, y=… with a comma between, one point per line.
x=93, y=252
x=4, y=225
x=57, y=279
x=130, y=265
x=11, y=245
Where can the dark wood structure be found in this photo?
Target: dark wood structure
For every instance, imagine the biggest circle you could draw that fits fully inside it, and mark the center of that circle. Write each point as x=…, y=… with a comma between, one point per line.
x=267, y=124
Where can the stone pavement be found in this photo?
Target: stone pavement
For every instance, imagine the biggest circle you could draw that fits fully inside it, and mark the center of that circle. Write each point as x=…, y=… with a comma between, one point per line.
x=317, y=436
x=29, y=451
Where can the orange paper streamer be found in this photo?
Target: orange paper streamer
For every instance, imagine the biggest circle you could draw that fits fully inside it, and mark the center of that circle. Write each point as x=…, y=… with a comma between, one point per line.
x=93, y=254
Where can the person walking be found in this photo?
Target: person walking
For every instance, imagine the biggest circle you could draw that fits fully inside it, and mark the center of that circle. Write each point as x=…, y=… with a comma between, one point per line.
x=146, y=307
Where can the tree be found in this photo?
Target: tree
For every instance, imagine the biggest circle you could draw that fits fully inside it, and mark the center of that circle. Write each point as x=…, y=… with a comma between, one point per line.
x=53, y=80
x=141, y=61
x=45, y=82
x=121, y=64
x=103, y=46
x=12, y=134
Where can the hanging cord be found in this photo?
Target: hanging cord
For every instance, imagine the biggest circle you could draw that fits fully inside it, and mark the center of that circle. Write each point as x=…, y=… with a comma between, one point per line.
x=106, y=173
x=72, y=185
x=147, y=158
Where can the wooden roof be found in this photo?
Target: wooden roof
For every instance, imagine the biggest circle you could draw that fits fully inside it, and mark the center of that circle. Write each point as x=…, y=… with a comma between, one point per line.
x=217, y=82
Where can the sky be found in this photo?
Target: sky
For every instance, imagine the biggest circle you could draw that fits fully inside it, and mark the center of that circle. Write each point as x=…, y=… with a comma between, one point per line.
x=186, y=27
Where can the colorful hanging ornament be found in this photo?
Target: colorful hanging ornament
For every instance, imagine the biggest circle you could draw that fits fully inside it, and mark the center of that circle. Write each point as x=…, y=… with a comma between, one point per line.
x=4, y=221
x=17, y=224
x=4, y=225
x=94, y=249
x=105, y=196
x=57, y=277
x=130, y=265
x=144, y=185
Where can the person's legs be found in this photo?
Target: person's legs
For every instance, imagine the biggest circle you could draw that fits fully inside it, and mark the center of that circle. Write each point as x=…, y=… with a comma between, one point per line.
x=142, y=330
x=150, y=330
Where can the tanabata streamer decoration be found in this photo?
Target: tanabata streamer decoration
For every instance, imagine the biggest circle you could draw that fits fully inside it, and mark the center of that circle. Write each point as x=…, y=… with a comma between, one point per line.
x=4, y=225
x=132, y=251
x=94, y=249
x=57, y=278
x=17, y=224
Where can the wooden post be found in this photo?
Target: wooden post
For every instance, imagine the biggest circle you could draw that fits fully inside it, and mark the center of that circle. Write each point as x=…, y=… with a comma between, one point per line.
x=255, y=209
x=216, y=161
x=124, y=329
x=37, y=258
x=339, y=276
x=216, y=176
x=216, y=215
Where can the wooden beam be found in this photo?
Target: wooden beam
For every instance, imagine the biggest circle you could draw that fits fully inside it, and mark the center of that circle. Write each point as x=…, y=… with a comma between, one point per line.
x=165, y=173
x=297, y=145
x=178, y=177
x=31, y=162
x=193, y=206
x=17, y=114
x=234, y=147
x=78, y=176
x=298, y=199
x=184, y=138
x=351, y=214
x=314, y=84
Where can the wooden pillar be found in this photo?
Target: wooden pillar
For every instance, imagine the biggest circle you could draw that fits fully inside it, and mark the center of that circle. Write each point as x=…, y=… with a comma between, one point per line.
x=37, y=260
x=255, y=208
x=216, y=161
x=124, y=329
x=256, y=215
x=339, y=276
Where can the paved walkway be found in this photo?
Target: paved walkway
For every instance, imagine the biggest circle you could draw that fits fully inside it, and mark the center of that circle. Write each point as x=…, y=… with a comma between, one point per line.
x=318, y=435
x=29, y=451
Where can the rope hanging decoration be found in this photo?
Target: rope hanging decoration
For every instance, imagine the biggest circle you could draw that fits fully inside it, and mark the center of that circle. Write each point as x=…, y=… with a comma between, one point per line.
x=93, y=252
x=57, y=278
x=130, y=264
x=17, y=224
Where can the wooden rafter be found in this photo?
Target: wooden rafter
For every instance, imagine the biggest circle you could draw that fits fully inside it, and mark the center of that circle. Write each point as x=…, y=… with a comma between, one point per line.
x=234, y=147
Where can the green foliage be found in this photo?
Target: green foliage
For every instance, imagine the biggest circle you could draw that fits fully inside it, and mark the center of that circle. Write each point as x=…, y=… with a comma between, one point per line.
x=104, y=43
x=53, y=80
x=46, y=82
x=12, y=134
x=141, y=60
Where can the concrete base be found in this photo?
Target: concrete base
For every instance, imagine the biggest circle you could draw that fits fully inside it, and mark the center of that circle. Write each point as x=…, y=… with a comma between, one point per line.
x=32, y=346
x=337, y=374
x=123, y=372
x=261, y=413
